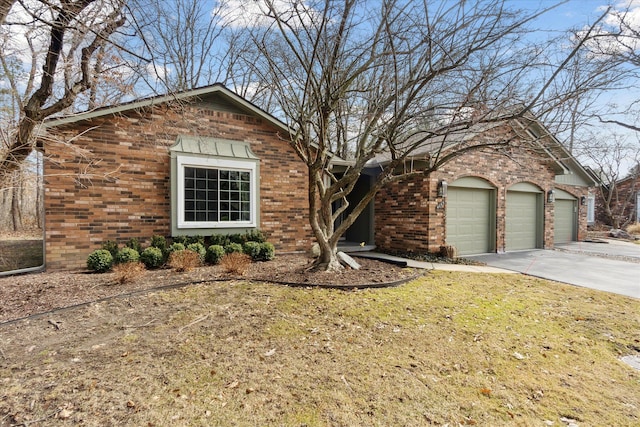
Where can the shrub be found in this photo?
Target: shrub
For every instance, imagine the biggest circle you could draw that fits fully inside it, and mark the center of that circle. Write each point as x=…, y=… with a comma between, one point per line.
x=159, y=242
x=127, y=254
x=133, y=243
x=233, y=247
x=267, y=252
x=634, y=228
x=254, y=236
x=184, y=260
x=236, y=238
x=100, y=261
x=176, y=247
x=219, y=239
x=214, y=254
x=179, y=239
x=252, y=249
x=199, y=249
x=128, y=272
x=152, y=257
x=235, y=263
x=110, y=246
x=195, y=239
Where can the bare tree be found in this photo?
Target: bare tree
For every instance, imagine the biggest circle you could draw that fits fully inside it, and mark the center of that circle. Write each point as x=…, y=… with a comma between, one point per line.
x=387, y=80
x=185, y=40
x=75, y=33
x=611, y=155
x=5, y=7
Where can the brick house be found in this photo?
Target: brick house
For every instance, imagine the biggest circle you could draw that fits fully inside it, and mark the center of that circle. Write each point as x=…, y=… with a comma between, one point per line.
x=533, y=194
x=200, y=162
x=207, y=161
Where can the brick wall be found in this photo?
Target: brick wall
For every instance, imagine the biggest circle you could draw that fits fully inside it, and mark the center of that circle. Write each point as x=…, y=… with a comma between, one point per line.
x=410, y=216
x=112, y=181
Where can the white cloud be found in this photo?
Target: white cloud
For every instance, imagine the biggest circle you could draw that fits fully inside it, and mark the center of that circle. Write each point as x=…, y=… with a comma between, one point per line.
x=256, y=13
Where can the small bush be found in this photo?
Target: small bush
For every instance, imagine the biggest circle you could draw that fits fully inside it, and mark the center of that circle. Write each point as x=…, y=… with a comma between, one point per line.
x=214, y=254
x=111, y=246
x=267, y=252
x=179, y=239
x=176, y=247
x=219, y=239
x=255, y=236
x=236, y=238
x=128, y=272
x=252, y=249
x=235, y=263
x=152, y=257
x=634, y=228
x=233, y=247
x=195, y=239
x=127, y=254
x=199, y=249
x=184, y=260
x=159, y=242
x=100, y=261
x=133, y=243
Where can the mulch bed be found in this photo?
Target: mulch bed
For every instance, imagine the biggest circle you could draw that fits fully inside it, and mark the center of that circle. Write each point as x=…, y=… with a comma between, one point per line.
x=30, y=294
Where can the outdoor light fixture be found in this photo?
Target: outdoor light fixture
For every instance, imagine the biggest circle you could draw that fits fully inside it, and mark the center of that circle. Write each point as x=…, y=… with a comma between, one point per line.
x=583, y=200
x=551, y=196
x=442, y=188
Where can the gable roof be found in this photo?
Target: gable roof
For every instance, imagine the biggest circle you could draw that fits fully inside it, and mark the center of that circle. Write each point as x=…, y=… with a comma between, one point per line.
x=564, y=162
x=217, y=88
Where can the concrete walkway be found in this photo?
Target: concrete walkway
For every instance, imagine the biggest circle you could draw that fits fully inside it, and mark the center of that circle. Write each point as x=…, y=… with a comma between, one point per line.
x=433, y=265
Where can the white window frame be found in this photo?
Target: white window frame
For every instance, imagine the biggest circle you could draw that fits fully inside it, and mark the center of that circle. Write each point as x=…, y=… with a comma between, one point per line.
x=216, y=163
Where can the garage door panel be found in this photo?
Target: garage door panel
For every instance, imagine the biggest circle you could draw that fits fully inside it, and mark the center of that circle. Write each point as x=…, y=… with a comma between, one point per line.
x=564, y=221
x=522, y=220
x=469, y=220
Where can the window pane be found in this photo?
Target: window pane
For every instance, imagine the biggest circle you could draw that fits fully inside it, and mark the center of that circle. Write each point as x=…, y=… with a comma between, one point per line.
x=213, y=195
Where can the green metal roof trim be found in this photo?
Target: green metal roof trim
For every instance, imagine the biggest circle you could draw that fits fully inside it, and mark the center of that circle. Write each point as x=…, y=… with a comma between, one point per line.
x=209, y=146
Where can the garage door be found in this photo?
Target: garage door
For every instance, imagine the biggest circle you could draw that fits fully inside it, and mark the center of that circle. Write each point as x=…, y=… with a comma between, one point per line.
x=565, y=217
x=564, y=221
x=470, y=220
x=523, y=213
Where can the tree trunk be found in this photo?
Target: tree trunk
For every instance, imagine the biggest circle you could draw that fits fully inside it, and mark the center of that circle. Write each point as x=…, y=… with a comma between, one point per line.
x=16, y=213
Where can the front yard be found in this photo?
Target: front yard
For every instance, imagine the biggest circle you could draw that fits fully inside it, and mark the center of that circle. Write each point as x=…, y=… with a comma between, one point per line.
x=449, y=348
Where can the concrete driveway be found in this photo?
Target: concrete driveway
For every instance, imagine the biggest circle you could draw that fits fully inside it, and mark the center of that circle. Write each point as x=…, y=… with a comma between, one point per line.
x=613, y=266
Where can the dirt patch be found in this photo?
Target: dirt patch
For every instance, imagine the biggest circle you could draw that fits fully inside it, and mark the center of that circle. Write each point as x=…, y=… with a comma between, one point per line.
x=31, y=294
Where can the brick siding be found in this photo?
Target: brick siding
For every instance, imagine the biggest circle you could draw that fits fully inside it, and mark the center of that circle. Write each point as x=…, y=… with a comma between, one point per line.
x=410, y=216
x=108, y=178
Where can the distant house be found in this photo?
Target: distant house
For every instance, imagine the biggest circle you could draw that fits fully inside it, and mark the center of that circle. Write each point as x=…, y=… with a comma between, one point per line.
x=623, y=202
x=207, y=161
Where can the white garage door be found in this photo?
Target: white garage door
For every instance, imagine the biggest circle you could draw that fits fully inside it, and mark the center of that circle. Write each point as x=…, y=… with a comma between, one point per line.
x=523, y=213
x=469, y=220
x=565, y=217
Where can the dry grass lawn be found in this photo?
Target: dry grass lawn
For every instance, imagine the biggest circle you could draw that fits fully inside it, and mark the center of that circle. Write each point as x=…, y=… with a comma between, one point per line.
x=448, y=349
